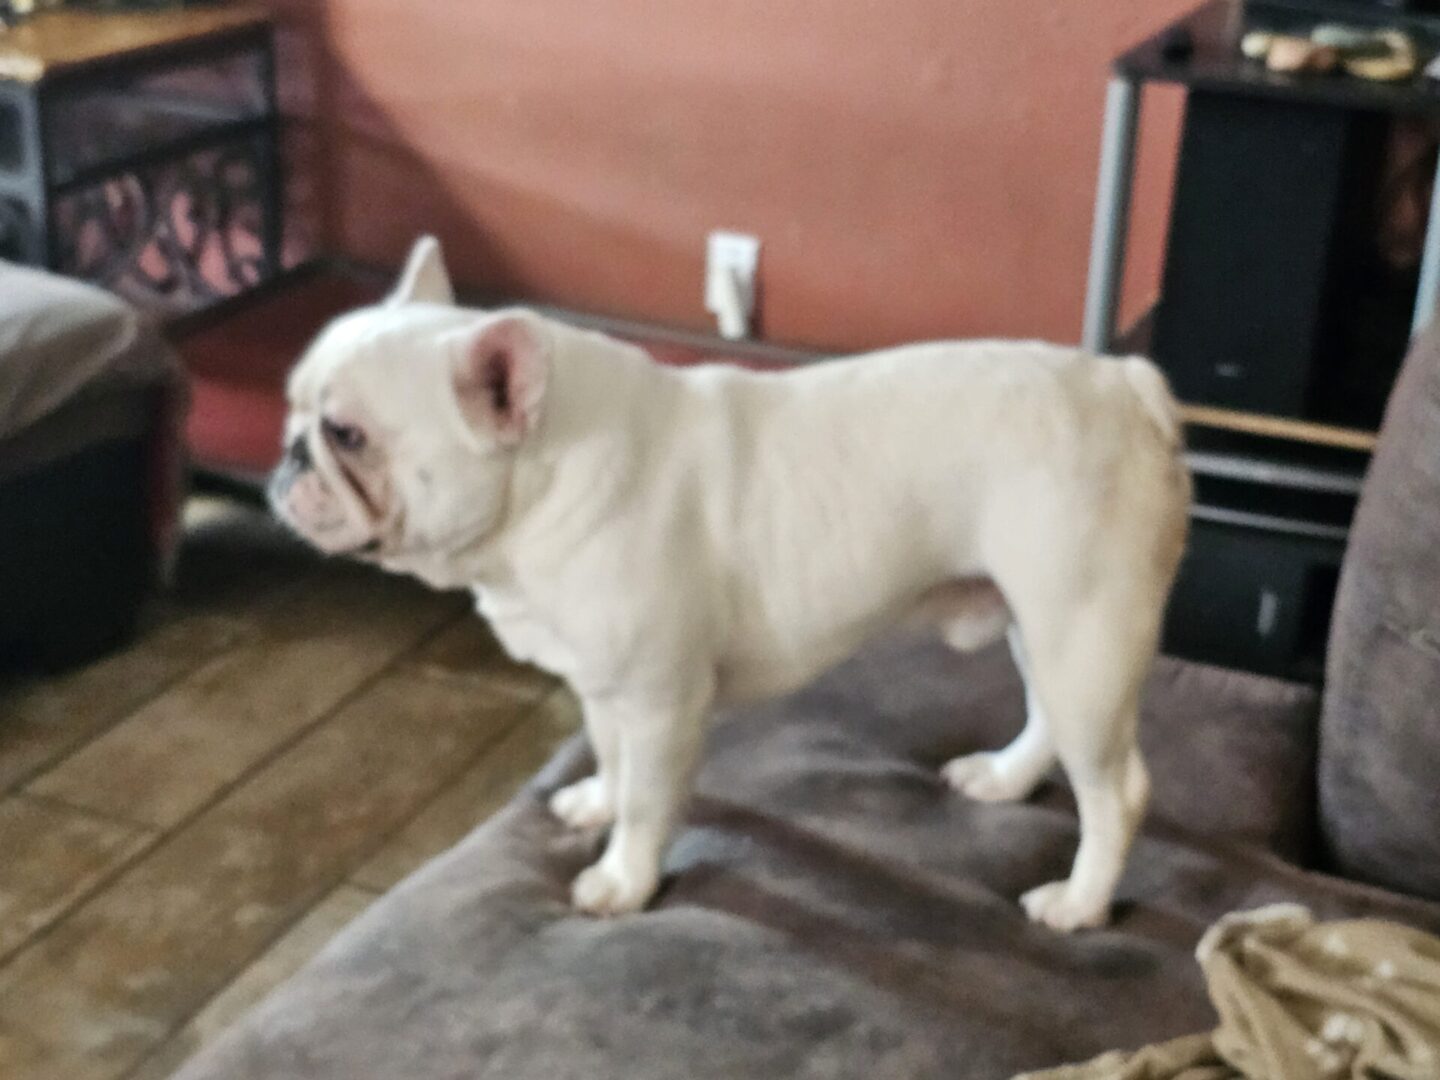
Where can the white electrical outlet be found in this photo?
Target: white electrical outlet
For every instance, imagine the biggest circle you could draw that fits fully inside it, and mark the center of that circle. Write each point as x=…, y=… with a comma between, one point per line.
x=731, y=263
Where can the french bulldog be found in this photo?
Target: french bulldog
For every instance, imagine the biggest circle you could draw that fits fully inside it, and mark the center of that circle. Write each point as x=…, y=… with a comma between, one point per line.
x=670, y=539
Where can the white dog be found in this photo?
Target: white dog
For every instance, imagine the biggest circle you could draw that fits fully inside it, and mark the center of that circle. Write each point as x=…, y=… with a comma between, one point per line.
x=666, y=539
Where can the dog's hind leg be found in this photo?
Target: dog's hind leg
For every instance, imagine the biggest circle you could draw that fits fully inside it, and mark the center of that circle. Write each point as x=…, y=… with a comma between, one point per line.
x=1087, y=670
x=1011, y=773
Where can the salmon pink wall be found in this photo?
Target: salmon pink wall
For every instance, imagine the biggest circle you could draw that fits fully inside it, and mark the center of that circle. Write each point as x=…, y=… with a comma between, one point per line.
x=914, y=168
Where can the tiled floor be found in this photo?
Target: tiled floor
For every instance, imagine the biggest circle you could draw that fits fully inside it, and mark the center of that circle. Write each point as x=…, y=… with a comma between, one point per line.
x=184, y=823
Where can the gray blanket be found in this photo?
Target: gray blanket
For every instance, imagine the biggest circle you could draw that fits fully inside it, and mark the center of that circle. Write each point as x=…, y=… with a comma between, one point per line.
x=831, y=909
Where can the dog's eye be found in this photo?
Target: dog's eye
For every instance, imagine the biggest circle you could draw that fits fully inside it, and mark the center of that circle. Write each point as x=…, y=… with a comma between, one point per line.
x=345, y=436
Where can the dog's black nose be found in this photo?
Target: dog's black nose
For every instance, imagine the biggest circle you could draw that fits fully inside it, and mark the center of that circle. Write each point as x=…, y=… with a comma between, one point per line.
x=299, y=453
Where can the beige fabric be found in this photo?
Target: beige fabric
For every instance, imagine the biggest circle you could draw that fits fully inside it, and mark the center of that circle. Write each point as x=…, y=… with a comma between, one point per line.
x=1300, y=1000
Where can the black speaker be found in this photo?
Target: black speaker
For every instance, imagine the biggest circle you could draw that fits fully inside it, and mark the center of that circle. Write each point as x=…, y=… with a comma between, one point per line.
x=1258, y=581
x=1335, y=9
x=1266, y=285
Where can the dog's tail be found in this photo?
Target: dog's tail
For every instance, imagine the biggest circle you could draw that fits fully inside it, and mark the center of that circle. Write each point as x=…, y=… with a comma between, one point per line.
x=1153, y=392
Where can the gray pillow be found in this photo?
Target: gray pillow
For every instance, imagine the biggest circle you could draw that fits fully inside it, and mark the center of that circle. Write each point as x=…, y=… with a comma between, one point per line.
x=1380, y=729
x=62, y=339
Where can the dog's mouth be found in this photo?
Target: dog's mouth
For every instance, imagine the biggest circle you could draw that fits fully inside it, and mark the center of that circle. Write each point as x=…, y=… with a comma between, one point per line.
x=324, y=519
x=382, y=524
x=360, y=490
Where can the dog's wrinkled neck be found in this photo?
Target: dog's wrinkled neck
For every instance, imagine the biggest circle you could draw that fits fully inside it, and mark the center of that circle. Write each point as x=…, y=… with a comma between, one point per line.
x=468, y=561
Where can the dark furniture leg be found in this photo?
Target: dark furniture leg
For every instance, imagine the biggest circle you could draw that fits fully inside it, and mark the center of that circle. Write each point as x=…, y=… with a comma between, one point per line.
x=84, y=520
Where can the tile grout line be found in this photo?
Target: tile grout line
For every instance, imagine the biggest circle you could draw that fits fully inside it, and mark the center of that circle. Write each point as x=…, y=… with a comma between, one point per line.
x=57, y=802
x=179, y=1026
x=487, y=747
x=149, y=841
x=526, y=712
x=343, y=881
x=150, y=836
x=285, y=745
x=265, y=599
x=24, y=779
x=478, y=680
x=246, y=625
x=280, y=748
x=159, y=837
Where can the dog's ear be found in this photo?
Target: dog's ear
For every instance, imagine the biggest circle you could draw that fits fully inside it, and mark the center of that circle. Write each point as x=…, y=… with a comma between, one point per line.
x=499, y=374
x=424, y=280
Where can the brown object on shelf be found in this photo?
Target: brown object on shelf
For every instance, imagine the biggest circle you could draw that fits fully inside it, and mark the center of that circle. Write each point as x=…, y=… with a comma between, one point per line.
x=1279, y=427
x=1256, y=44
x=1398, y=62
x=55, y=41
x=1300, y=54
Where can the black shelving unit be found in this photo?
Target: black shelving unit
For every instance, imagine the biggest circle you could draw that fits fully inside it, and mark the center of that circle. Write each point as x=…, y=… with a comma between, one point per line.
x=151, y=165
x=1276, y=325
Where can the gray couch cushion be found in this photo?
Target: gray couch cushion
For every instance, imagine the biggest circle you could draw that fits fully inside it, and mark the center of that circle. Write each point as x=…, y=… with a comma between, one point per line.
x=1231, y=755
x=1380, y=736
x=830, y=910
x=77, y=366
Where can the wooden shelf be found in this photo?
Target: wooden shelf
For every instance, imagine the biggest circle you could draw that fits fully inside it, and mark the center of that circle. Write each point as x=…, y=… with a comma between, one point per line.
x=1136, y=340
x=1279, y=427
x=54, y=42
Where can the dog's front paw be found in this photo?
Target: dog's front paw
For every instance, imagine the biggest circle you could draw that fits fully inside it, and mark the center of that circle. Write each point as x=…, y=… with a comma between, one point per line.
x=603, y=890
x=1056, y=906
x=985, y=777
x=583, y=805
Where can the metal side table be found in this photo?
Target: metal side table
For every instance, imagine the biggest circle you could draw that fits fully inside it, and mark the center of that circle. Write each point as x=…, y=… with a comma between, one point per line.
x=141, y=150
x=1214, y=65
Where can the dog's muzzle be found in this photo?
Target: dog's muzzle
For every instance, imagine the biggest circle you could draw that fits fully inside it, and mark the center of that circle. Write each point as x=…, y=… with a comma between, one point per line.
x=298, y=452
x=296, y=461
